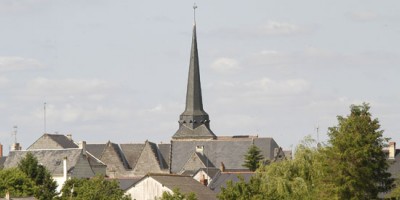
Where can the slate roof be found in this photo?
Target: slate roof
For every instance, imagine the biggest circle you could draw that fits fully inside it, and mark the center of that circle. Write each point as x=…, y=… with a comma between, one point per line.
x=224, y=177
x=228, y=150
x=394, y=165
x=95, y=149
x=125, y=184
x=185, y=184
x=157, y=154
x=61, y=140
x=132, y=152
x=165, y=150
x=211, y=171
x=2, y=160
x=51, y=159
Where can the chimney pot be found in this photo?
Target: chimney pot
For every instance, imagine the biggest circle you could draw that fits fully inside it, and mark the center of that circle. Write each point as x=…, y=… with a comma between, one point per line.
x=392, y=150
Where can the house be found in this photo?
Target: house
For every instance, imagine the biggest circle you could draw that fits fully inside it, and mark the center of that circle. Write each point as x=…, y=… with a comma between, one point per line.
x=152, y=186
x=61, y=163
x=53, y=141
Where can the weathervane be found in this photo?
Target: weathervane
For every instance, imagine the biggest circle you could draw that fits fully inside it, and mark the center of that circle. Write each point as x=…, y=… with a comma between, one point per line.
x=194, y=12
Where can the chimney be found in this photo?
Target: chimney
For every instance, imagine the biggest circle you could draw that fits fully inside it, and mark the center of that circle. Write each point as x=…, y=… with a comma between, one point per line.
x=69, y=136
x=222, y=167
x=7, y=197
x=15, y=147
x=392, y=150
x=65, y=168
x=1, y=150
x=204, y=181
x=82, y=145
x=200, y=149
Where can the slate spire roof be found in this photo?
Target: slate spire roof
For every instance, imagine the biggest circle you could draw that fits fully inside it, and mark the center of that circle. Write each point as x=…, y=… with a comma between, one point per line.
x=194, y=122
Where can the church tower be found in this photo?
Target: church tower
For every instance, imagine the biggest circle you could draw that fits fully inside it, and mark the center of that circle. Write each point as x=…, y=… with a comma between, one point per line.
x=194, y=122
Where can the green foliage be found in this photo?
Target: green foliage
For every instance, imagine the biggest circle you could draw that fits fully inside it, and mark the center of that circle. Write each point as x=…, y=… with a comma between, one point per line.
x=96, y=188
x=352, y=166
x=46, y=186
x=253, y=158
x=177, y=195
x=357, y=163
x=243, y=190
x=288, y=179
x=17, y=183
x=395, y=193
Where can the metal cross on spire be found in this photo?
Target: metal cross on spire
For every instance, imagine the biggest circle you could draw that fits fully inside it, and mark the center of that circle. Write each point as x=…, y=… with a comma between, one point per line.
x=194, y=12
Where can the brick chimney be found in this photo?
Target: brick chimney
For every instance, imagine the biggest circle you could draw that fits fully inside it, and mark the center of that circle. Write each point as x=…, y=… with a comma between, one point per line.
x=204, y=181
x=392, y=150
x=222, y=167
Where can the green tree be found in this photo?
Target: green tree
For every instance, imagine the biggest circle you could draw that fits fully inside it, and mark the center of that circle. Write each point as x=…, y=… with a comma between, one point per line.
x=177, y=195
x=243, y=190
x=96, y=188
x=253, y=158
x=17, y=183
x=357, y=166
x=288, y=179
x=46, y=186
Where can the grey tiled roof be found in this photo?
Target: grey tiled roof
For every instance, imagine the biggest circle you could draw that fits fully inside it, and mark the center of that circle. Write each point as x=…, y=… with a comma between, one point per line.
x=230, y=151
x=165, y=150
x=223, y=178
x=125, y=184
x=394, y=165
x=51, y=159
x=132, y=152
x=185, y=184
x=211, y=171
x=63, y=141
x=2, y=160
x=95, y=149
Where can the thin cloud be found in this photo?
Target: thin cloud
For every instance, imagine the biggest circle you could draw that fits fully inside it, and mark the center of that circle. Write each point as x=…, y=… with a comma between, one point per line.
x=223, y=65
x=15, y=63
x=364, y=15
x=279, y=28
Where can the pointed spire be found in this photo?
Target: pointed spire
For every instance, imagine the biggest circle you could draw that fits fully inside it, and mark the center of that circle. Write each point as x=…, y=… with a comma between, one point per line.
x=194, y=121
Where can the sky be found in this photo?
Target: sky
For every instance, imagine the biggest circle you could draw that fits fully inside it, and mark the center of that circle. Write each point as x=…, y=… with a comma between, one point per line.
x=117, y=70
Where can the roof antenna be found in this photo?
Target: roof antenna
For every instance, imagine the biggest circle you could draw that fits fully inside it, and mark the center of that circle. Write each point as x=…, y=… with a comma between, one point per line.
x=44, y=119
x=194, y=12
x=15, y=133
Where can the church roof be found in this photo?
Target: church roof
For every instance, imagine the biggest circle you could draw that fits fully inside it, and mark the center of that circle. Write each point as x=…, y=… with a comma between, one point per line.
x=228, y=150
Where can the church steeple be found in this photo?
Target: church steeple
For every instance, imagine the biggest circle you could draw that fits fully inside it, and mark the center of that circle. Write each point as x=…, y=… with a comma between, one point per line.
x=194, y=122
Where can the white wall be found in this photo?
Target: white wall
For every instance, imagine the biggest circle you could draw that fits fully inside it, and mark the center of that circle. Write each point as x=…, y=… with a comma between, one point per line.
x=147, y=189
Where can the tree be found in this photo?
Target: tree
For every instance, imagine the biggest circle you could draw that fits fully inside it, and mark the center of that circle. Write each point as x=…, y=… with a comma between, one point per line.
x=356, y=163
x=46, y=186
x=177, y=195
x=17, y=183
x=243, y=190
x=253, y=158
x=288, y=179
x=96, y=188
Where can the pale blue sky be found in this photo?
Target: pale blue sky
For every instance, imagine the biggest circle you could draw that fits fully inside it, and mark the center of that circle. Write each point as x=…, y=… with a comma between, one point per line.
x=117, y=70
